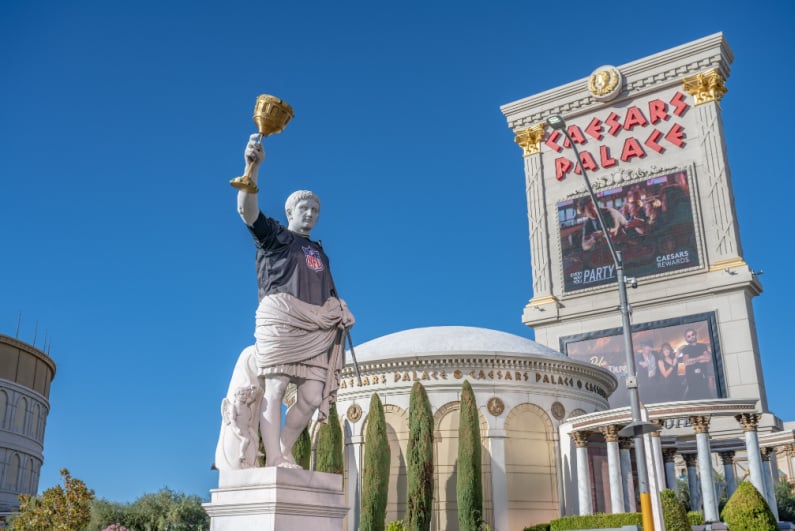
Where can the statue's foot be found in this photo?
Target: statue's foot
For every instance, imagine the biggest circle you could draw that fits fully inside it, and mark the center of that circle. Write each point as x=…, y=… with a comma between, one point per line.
x=284, y=463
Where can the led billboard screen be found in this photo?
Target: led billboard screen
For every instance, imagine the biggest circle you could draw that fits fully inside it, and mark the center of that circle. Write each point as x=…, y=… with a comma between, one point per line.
x=650, y=223
x=675, y=359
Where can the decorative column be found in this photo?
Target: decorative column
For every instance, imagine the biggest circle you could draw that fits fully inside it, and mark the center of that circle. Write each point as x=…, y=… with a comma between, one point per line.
x=499, y=484
x=670, y=468
x=791, y=455
x=628, y=483
x=530, y=141
x=701, y=425
x=691, y=460
x=583, y=472
x=656, y=446
x=614, y=466
x=770, y=491
x=354, y=449
x=723, y=242
x=749, y=422
x=727, y=458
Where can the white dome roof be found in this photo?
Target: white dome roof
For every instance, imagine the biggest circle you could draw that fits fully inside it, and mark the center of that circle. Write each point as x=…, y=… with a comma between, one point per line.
x=449, y=340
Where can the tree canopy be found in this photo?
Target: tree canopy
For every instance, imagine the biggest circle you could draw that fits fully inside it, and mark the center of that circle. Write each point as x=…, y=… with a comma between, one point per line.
x=58, y=508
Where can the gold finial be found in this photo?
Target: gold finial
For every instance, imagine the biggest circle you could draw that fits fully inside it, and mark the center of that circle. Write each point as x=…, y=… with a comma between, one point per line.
x=530, y=139
x=706, y=87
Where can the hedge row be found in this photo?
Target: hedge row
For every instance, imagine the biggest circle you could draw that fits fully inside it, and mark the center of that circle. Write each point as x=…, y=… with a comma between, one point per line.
x=595, y=521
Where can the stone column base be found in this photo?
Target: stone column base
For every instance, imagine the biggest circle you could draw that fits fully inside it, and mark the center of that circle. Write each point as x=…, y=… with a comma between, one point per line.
x=276, y=499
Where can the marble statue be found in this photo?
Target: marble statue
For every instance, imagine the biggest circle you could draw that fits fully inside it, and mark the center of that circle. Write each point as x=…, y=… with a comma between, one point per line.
x=300, y=325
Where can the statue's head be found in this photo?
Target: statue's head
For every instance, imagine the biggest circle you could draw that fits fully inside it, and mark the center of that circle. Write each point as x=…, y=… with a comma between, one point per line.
x=303, y=210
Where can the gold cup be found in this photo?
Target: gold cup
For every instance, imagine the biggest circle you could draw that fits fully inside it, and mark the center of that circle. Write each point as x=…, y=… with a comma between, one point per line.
x=271, y=114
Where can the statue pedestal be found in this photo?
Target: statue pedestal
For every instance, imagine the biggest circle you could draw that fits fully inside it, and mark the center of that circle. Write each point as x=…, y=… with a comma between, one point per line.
x=276, y=499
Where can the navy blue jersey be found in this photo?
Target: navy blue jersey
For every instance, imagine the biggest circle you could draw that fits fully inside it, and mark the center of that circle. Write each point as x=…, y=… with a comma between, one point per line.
x=290, y=263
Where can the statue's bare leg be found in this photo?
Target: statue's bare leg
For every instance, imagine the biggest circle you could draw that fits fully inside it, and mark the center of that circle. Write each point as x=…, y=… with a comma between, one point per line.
x=308, y=397
x=270, y=419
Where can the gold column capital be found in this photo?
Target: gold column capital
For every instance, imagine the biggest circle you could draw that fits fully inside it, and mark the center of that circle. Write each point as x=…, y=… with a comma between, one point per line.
x=700, y=423
x=669, y=454
x=749, y=421
x=624, y=443
x=766, y=452
x=610, y=432
x=727, y=457
x=530, y=139
x=790, y=449
x=691, y=460
x=706, y=87
x=580, y=438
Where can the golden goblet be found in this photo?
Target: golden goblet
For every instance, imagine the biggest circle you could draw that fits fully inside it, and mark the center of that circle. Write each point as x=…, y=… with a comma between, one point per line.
x=271, y=114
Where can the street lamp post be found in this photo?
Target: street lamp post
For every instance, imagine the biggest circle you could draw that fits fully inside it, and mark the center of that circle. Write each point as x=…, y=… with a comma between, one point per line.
x=638, y=427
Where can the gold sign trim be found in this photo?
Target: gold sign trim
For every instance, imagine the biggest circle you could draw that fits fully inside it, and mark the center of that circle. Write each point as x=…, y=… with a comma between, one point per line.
x=706, y=87
x=530, y=139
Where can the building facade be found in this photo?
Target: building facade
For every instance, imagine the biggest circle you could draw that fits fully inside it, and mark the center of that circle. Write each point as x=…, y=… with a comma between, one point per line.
x=25, y=376
x=650, y=137
x=523, y=392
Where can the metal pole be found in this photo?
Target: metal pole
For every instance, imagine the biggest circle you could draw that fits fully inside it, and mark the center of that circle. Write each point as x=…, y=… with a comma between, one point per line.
x=638, y=427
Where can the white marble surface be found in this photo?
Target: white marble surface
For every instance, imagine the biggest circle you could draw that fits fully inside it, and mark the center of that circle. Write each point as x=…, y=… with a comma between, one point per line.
x=276, y=499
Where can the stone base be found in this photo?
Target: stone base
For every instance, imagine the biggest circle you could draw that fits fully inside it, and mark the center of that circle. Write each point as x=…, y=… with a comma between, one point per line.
x=276, y=499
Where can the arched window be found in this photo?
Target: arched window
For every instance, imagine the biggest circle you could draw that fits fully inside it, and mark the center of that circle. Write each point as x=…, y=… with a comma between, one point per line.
x=19, y=417
x=3, y=404
x=11, y=473
x=34, y=421
x=27, y=473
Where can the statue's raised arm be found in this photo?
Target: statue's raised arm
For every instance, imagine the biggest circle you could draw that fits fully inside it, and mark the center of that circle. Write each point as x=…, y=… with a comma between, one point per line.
x=247, y=205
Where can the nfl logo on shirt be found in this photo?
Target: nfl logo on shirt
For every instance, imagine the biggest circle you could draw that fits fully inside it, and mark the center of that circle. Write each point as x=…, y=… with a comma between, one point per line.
x=313, y=259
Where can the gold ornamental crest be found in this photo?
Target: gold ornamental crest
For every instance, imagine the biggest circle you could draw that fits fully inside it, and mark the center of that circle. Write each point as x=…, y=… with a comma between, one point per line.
x=495, y=406
x=605, y=83
x=354, y=412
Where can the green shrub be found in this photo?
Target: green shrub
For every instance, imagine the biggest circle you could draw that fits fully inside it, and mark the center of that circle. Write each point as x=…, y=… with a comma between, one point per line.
x=375, y=469
x=695, y=517
x=674, y=513
x=537, y=527
x=595, y=521
x=748, y=510
x=397, y=525
x=329, y=444
x=302, y=449
x=785, y=501
x=419, y=457
x=469, y=482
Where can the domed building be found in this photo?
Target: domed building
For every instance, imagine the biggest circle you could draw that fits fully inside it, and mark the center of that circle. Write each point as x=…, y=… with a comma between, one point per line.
x=25, y=376
x=523, y=391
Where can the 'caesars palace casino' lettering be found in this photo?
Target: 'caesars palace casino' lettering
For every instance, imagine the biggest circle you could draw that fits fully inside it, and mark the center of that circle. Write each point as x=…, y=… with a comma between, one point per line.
x=649, y=135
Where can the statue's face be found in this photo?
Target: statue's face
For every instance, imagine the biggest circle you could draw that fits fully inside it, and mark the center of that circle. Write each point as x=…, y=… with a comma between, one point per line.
x=304, y=216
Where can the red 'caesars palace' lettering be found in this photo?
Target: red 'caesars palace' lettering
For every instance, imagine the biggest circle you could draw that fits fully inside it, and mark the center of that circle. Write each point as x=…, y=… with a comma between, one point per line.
x=613, y=124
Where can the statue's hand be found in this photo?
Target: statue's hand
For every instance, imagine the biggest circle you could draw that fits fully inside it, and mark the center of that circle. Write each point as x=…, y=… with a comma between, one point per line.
x=254, y=153
x=348, y=320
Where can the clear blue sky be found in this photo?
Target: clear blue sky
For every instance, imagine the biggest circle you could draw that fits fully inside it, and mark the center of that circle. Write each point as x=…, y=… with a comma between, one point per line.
x=121, y=123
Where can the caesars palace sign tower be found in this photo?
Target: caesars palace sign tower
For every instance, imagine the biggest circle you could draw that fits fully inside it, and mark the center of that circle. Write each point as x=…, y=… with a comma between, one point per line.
x=650, y=137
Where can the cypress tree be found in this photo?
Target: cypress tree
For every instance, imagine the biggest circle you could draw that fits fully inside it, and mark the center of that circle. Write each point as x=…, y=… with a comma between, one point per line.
x=375, y=469
x=302, y=449
x=420, y=460
x=469, y=489
x=329, y=444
